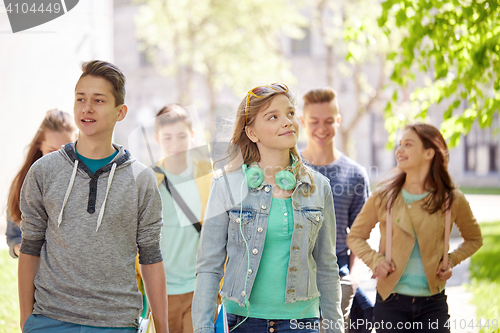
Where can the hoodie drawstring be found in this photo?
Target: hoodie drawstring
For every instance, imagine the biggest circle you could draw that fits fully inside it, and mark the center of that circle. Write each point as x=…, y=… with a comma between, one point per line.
x=68, y=191
x=101, y=212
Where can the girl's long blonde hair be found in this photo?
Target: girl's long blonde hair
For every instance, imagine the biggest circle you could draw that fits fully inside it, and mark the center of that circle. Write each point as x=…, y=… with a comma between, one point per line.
x=55, y=121
x=245, y=116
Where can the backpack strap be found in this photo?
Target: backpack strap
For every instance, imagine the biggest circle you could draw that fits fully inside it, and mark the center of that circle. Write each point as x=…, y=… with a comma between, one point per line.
x=447, y=227
x=388, y=229
x=181, y=203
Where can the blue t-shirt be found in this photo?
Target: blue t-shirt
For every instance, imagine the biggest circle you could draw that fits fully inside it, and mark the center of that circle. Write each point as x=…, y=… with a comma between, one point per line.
x=96, y=164
x=350, y=188
x=179, y=239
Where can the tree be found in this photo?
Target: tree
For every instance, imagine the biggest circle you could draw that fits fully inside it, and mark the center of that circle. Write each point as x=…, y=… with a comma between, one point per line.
x=234, y=44
x=456, y=44
x=358, y=47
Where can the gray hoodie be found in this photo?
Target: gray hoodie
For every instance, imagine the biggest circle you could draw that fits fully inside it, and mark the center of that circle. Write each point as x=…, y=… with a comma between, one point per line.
x=87, y=228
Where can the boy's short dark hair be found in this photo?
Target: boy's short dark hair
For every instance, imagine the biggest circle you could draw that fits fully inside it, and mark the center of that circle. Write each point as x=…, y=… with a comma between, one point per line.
x=109, y=72
x=320, y=95
x=171, y=114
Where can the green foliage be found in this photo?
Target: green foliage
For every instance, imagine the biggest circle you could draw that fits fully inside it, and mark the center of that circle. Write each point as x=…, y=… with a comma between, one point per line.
x=457, y=45
x=9, y=309
x=485, y=276
x=480, y=190
x=358, y=50
x=231, y=43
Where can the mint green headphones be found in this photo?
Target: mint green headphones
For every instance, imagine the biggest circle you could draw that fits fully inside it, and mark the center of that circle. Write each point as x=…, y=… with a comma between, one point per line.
x=254, y=177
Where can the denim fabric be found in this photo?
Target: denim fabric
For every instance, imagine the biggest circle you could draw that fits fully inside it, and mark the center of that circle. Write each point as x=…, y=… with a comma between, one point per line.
x=408, y=314
x=42, y=324
x=313, y=270
x=14, y=236
x=343, y=262
x=362, y=309
x=255, y=325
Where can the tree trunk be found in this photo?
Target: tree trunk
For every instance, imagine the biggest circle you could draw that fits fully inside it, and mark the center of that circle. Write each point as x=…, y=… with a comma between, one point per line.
x=330, y=63
x=211, y=119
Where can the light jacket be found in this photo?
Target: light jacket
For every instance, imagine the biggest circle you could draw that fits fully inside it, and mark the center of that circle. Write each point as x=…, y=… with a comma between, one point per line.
x=429, y=229
x=313, y=270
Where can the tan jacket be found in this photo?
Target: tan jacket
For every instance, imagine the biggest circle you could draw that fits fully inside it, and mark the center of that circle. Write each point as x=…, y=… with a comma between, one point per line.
x=429, y=232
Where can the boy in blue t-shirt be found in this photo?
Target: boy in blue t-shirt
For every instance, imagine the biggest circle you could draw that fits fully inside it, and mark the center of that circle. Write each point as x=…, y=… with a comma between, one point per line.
x=86, y=210
x=350, y=187
x=190, y=177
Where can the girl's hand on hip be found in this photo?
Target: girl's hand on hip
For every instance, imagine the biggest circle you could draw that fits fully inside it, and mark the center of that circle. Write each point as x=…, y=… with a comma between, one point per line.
x=384, y=268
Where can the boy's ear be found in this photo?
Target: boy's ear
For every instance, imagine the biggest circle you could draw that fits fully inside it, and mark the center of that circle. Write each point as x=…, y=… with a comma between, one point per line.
x=251, y=134
x=192, y=134
x=302, y=121
x=339, y=118
x=157, y=139
x=122, y=112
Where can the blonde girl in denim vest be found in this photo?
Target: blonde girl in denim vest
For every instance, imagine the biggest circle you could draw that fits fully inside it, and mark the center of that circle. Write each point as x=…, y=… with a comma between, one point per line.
x=273, y=237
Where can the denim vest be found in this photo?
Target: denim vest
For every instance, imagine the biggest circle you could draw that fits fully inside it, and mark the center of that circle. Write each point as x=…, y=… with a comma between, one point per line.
x=312, y=269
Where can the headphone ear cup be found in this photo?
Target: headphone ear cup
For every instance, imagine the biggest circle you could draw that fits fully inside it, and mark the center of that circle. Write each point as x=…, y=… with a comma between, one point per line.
x=254, y=177
x=285, y=180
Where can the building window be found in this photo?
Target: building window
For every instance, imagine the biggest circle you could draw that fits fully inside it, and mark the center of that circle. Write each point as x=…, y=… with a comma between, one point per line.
x=482, y=149
x=302, y=46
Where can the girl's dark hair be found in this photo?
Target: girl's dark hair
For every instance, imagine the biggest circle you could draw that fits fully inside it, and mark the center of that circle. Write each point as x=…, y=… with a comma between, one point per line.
x=55, y=121
x=438, y=180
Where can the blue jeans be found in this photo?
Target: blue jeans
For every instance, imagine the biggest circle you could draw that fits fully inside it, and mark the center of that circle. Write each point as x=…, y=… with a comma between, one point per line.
x=42, y=324
x=256, y=325
x=402, y=313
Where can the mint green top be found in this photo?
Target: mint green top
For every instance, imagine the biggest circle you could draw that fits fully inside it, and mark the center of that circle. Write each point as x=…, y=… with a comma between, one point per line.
x=267, y=298
x=179, y=239
x=413, y=282
x=93, y=164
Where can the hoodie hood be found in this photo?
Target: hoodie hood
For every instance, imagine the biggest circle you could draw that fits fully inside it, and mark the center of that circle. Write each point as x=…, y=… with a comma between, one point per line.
x=121, y=160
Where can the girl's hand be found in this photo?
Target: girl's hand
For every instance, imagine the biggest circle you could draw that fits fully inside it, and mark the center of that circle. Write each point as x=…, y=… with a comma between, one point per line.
x=384, y=268
x=446, y=273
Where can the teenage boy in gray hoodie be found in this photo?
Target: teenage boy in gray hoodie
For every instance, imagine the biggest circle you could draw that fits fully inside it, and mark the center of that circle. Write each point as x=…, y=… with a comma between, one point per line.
x=86, y=209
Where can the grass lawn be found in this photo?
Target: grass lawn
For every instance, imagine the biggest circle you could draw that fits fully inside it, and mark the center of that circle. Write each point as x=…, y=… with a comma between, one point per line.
x=479, y=190
x=485, y=277
x=9, y=304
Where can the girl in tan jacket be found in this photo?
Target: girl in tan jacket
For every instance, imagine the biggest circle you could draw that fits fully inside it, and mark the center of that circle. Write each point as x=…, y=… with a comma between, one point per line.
x=411, y=283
